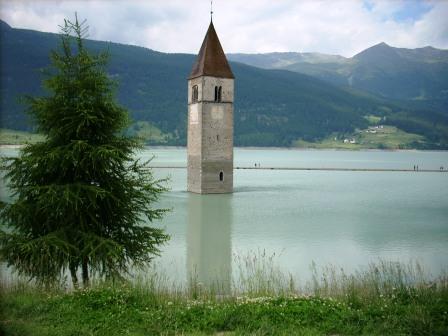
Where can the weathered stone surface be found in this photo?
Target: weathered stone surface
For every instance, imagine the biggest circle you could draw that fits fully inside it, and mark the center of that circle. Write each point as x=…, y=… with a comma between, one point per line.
x=210, y=136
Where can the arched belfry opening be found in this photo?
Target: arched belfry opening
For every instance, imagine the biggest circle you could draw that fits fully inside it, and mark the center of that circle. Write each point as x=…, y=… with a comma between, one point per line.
x=195, y=94
x=218, y=94
x=210, y=120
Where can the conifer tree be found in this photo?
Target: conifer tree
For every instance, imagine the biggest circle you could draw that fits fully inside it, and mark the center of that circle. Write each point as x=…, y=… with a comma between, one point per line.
x=81, y=202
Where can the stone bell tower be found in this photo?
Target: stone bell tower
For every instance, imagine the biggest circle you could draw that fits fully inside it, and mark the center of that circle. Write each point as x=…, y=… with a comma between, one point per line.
x=210, y=120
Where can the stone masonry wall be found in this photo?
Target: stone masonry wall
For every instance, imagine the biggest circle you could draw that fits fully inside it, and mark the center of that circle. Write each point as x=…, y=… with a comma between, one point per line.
x=210, y=137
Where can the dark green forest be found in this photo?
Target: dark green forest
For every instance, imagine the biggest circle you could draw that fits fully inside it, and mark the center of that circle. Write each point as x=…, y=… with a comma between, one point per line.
x=272, y=107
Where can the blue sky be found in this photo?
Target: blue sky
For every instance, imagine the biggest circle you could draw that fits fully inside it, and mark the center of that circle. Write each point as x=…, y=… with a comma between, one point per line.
x=412, y=10
x=406, y=11
x=343, y=27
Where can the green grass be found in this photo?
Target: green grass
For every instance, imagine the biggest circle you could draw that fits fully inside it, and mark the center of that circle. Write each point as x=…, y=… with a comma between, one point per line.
x=383, y=299
x=372, y=119
x=149, y=133
x=388, y=137
x=12, y=137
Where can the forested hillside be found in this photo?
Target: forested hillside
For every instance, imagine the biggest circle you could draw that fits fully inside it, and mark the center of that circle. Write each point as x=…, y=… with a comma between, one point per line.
x=411, y=75
x=272, y=107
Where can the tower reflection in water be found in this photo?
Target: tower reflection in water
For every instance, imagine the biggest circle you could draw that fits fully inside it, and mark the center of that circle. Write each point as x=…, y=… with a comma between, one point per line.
x=209, y=248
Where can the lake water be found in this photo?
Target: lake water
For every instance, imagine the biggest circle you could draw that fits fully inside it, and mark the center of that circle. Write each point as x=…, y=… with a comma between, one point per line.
x=343, y=218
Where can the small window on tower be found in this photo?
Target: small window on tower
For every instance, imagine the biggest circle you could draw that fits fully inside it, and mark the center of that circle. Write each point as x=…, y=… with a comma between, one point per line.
x=221, y=176
x=218, y=94
x=195, y=94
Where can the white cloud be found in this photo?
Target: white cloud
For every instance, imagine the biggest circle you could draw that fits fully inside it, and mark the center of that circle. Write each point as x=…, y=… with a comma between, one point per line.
x=336, y=27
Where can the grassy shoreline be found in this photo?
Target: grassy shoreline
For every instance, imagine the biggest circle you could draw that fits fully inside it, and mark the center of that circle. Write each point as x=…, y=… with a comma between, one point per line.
x=384, y=299
x=10, y=137
x=388, y=138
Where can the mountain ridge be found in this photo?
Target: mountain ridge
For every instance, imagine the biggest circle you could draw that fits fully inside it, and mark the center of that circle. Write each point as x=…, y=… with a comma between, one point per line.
x=393, y=73
x=272, y=107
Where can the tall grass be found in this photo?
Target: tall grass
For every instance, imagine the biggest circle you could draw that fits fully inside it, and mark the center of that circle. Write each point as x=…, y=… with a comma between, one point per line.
x=382, y=298
x=379, y=278
x=257, y=274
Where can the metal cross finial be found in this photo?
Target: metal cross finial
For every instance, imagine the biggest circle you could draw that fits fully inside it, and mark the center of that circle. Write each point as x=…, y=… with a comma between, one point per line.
x=211, y=10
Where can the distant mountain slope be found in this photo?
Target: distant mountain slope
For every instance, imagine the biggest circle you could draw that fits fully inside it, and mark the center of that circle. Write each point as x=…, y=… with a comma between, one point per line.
x=272, y=107
x=417, y=74
x=279, y=60
x=398, y=73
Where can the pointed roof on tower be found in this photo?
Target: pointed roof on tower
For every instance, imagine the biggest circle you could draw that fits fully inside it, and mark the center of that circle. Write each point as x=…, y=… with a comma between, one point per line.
x=211, y=60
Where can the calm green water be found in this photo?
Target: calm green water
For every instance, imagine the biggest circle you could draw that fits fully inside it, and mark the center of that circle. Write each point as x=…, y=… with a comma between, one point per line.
x=343, y=218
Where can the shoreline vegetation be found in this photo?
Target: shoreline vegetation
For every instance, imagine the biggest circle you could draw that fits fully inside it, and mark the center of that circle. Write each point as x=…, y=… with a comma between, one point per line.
x=370, y=142
x=384, y=298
